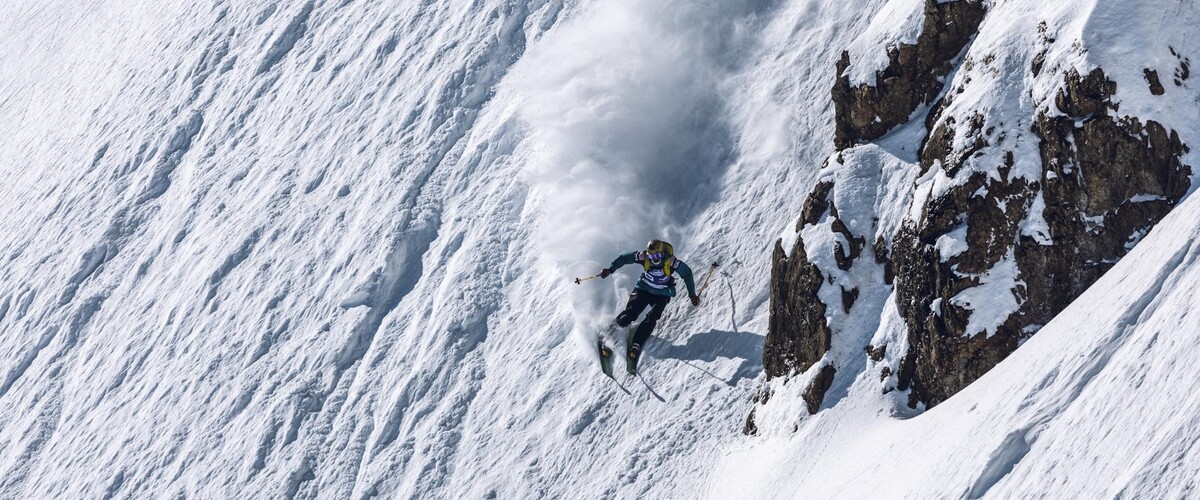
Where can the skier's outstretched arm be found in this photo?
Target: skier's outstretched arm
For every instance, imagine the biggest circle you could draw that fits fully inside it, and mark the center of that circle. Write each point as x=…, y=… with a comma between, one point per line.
x=685, y=272
x=619, y=262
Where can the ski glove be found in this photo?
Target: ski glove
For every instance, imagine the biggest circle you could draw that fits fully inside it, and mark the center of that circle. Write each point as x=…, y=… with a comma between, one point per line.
x=695, y=300
x=605, y=273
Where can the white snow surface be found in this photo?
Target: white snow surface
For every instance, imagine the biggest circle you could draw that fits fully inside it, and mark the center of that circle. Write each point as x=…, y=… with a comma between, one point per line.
x=898, y=23
x=952, y=243
x=311, y=249
x=995, y=298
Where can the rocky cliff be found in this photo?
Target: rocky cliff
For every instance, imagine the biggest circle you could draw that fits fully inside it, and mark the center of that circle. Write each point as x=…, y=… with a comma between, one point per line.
x=975, y=191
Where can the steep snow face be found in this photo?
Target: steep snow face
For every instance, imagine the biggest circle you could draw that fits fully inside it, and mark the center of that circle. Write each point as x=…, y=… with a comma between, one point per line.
x=304, y=249
x=213, y=220
x=898, y=22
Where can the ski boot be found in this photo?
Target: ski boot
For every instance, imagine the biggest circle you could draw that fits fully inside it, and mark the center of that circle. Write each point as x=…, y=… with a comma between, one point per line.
x=631, y=358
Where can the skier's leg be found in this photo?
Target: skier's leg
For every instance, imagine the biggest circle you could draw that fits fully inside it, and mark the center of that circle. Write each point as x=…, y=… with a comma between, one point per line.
x=637, y=302
x=657, y=306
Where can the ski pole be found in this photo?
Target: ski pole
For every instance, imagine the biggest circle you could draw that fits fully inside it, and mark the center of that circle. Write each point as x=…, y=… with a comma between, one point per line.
x=707, y=277
x=581, y=280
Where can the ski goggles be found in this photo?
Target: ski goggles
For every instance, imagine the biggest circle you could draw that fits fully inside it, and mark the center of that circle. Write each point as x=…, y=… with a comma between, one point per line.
x=656, y=256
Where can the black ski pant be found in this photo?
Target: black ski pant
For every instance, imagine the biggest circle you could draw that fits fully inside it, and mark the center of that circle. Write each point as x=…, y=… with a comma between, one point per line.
x=638, y=301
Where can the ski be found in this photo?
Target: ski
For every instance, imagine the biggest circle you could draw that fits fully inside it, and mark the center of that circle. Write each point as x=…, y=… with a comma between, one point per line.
x=631, y=359
x=606, y=355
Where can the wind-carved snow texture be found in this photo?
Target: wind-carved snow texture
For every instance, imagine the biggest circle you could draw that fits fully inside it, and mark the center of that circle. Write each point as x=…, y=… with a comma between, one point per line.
x=126, y=221
x=1001, y=462
x=287, y=38
x=305, y=249
x=211, y=214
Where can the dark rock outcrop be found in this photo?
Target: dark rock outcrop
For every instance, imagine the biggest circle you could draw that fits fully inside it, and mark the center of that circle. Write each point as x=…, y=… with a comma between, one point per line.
x=1184, y=70
x=1156, y=87
x=793, y=311
x=1105, y=182
x=998, y=249
x=820, y=384
x=914, y=76
x=750, y=428
x=792, y=308
x=798, y=333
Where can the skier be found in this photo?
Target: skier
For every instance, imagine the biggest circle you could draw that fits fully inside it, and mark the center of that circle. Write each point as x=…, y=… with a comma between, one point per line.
x=654, y=290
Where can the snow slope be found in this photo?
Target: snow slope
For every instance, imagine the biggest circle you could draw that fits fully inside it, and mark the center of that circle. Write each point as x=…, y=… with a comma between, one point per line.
x=300, y=249
x=314, y=249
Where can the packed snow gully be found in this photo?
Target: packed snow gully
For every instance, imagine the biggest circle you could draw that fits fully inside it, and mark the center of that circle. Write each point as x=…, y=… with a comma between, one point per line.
x=300, y=249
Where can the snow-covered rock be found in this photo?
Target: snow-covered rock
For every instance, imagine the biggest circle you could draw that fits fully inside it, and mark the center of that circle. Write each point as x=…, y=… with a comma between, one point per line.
x=1018, y=180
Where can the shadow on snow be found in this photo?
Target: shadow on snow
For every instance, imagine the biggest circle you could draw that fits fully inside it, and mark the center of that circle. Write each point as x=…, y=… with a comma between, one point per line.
x=714, y=344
